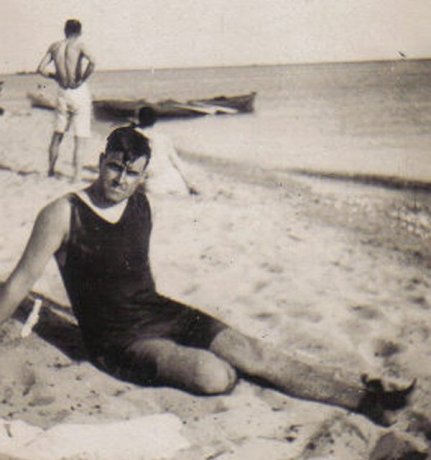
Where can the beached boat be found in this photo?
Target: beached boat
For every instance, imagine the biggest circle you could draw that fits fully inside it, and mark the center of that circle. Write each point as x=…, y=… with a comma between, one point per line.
x=40, y=101
x=126, y=109
x=123, y=110
x=242, y=104
x=115, y=109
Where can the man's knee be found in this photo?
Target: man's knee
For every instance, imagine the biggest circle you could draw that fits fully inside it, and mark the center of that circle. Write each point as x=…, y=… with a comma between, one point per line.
x=196, y=370
x=213, y=376
x=240, y=350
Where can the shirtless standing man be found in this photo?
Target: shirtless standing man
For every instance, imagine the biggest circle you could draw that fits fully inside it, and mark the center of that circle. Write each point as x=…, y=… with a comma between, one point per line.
x=74, y=99
x=100, y=239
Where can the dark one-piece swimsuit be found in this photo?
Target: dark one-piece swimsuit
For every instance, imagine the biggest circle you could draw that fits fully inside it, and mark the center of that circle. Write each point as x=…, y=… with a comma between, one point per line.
x=107, y=275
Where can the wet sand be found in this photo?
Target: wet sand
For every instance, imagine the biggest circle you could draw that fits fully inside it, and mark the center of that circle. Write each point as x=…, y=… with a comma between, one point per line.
x=335, y=271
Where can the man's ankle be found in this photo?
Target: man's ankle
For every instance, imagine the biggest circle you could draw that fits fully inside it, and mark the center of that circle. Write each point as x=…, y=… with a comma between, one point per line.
x=377, y=403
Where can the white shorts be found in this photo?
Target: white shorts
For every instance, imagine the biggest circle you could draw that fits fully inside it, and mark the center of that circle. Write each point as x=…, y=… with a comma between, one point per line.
x=74, y=106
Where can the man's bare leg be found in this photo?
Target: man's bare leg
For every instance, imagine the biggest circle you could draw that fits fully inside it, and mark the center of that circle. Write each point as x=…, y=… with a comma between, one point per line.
x=213, y=372
x=191, y=369
x=286, y=373
x=54, y=149
x=79, y=145
x=314, y=382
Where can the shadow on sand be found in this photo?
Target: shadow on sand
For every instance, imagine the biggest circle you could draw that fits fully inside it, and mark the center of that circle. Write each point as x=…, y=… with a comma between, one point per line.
x=30, y=172
x=388, y=182
x=56, y=325
x=58, y=175
x=274, y=178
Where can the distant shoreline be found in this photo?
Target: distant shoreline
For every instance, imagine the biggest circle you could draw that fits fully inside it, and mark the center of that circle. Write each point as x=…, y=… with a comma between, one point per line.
x=293, y=64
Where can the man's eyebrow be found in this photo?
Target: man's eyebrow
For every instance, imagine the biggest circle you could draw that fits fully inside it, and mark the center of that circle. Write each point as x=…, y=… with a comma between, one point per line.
x=116, y=165
x=127, y=166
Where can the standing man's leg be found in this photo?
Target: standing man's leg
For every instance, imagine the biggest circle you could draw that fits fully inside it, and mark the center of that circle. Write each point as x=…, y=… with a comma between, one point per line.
x=82, y=112
x=54, y=149
x=61, y=124
x=79, y=146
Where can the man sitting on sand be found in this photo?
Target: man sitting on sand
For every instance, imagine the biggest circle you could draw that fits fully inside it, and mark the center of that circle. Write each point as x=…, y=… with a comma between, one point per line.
x=165, y=173
x=100, y=239
x=73, y=98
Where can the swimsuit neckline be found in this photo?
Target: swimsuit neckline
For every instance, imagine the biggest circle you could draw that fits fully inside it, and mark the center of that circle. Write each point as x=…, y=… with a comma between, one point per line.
x=104, y=216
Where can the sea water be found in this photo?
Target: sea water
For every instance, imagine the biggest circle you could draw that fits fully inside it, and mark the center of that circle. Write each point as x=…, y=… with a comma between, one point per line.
x=348, y=118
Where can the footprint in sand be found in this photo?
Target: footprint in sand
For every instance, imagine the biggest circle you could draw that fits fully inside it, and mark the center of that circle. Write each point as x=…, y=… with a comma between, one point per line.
x=421, y=301
x=273, y=268
x=397, y=446
x=33, y=389
x=415, y=282
x=305, y=312
x=385, y=348
x=365, y=311
x=336, y=438
x=190, y=289
x=260, y=285
x=272, y=319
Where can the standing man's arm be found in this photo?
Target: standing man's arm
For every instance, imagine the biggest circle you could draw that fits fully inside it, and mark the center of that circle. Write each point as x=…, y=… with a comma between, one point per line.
x=91, y=64
x=42, y=68
x=178, y=165
x=49, y=231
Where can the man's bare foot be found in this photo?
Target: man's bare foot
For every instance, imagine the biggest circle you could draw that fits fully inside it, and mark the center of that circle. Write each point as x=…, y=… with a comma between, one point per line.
x=193, y=191
x=377, y=401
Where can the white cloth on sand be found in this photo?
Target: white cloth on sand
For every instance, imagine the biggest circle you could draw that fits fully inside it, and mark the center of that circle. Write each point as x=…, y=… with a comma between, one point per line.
x=152, y=437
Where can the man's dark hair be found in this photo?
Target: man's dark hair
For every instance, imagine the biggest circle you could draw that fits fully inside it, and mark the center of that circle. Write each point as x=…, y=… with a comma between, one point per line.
x=147, y=116
x=72, y=27
x=127, y=140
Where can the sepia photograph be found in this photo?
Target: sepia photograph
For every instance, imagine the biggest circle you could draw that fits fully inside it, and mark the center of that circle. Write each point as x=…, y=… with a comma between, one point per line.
x=215, y=230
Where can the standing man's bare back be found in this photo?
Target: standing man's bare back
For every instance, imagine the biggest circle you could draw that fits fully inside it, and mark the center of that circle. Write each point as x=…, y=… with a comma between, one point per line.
x=68, y=56
x=73, y=64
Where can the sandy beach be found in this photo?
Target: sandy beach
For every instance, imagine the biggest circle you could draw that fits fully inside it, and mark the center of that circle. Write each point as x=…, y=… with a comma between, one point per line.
x=334, y=271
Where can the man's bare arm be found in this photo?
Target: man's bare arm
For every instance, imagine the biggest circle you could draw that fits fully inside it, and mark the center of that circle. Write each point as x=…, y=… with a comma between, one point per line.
x=91, y=64
x=178, y=165
x=49, y=231
x=42, y=67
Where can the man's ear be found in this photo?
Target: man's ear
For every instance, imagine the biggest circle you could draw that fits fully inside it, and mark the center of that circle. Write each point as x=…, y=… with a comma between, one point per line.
x=102, y=156
x=144, y=175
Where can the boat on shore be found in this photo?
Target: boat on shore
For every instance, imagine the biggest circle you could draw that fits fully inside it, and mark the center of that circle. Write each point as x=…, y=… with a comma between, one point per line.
x=40, y=101
x=124, y=110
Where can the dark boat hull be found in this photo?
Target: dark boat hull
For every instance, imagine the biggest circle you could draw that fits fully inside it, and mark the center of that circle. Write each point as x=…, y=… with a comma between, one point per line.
x=111, y=109
x=125, y=110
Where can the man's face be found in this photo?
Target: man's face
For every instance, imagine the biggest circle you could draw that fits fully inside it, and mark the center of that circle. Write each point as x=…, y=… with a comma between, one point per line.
x=120, y=179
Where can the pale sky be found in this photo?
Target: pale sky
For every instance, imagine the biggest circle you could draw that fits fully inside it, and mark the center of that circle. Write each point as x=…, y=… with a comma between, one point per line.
x=138, y=34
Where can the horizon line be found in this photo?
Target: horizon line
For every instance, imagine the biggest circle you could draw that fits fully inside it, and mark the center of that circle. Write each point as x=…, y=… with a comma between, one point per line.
x=315, y=63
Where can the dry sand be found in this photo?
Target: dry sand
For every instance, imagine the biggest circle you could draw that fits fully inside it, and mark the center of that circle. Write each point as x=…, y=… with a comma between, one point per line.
x=335, y=272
